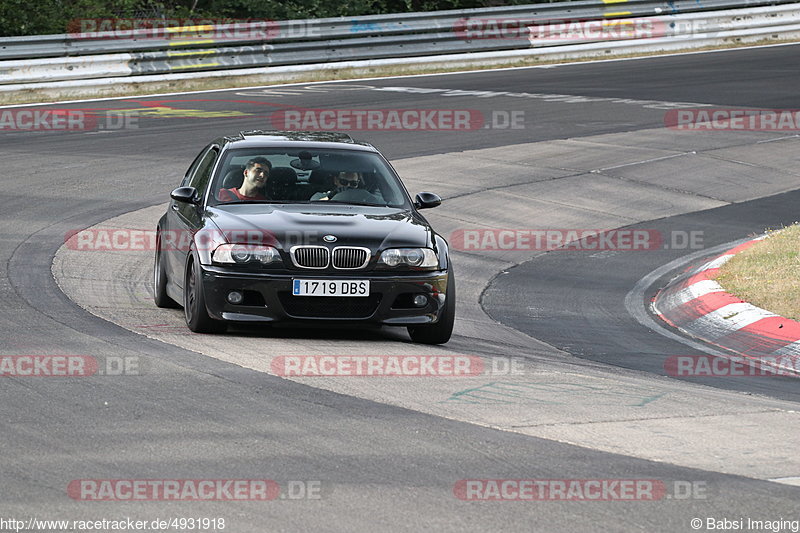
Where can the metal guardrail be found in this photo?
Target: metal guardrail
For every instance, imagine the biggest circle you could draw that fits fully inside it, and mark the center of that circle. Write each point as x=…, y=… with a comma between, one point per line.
x=105, y=54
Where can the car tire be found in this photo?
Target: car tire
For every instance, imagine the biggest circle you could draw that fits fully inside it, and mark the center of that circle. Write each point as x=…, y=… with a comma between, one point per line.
x=194, y=304
x=160, y=296
x=440, y=332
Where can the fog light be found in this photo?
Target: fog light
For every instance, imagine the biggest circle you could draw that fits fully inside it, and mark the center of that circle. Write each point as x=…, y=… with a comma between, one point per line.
x=420, y=300
x=235, y=297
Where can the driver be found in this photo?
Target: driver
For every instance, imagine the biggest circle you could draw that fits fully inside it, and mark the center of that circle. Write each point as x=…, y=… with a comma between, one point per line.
x=256, y=173
x=341, y=182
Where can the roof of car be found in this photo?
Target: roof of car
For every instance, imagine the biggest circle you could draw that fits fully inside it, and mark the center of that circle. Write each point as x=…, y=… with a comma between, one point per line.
x=312, y=139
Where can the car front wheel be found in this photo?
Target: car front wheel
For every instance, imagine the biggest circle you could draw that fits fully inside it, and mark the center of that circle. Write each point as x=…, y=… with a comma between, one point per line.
x=440, y=332
x=194, y=304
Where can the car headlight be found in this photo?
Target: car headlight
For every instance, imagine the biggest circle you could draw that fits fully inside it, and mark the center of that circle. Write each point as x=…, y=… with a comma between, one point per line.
x=408, y=258
x=240, y=254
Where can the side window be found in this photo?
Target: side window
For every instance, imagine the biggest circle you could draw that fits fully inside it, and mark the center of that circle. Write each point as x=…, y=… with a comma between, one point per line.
x=202, y=174
x=192, y=167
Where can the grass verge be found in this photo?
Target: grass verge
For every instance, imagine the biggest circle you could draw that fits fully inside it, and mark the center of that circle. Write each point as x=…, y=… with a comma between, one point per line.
x=767, y=274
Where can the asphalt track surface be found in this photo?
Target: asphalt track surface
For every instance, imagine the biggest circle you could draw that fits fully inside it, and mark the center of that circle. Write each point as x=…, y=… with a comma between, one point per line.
x=191, y=416
x=559, y=298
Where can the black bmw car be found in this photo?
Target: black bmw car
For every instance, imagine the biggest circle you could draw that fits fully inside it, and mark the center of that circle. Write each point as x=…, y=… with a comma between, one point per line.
x=302, y=227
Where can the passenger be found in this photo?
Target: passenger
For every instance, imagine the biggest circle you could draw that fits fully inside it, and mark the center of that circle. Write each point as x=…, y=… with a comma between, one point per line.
x=256, y=174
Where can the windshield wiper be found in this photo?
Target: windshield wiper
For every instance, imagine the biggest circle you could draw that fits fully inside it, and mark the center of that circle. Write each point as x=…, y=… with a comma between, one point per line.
x=339, y=202
x=238, y=202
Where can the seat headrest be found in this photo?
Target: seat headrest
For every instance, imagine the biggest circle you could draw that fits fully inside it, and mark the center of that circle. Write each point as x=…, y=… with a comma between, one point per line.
x=283, y=175
x=234, y=178
x=281, y=183
x=321, y=178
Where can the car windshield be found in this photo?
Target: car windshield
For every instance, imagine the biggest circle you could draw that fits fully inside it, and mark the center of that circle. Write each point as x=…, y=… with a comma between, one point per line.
x=306, y=176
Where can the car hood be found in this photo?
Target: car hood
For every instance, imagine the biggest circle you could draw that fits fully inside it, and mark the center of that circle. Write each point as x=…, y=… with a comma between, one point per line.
x=289, y=225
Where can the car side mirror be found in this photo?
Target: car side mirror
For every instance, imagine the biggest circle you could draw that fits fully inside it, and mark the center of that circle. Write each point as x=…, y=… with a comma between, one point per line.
x=187, y=195
x=426, y=200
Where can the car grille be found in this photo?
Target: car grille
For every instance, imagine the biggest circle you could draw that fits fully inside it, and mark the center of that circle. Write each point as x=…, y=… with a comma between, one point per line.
x=318, y=257
x=310, y=256
x=329, y=306
x=350, y=257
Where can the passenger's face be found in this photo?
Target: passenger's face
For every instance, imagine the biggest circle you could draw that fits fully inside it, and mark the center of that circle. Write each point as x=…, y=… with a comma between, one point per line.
x=257, y=175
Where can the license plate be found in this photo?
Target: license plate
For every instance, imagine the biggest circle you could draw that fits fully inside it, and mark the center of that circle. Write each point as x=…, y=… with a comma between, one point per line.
x=330, y=287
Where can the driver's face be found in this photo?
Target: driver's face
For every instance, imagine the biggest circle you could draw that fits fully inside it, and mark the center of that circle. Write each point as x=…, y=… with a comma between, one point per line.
x=257, y=175
x=348, y=179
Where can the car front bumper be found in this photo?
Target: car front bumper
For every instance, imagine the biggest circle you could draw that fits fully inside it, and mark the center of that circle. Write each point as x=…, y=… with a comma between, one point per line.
x=268, y=298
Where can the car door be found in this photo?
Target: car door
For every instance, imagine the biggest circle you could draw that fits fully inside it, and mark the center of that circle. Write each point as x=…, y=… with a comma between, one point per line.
x=184, y=219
